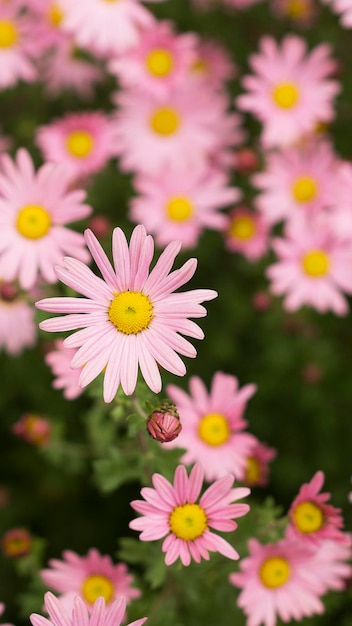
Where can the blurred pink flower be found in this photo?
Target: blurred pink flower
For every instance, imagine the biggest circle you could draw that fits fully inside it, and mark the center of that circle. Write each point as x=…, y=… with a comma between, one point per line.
x=247, y=232
x=2, y=610
x=173, y=510
x=343, y=8
x=46, y=24
x=331, y=564
x=212, y=64
x=16, y=47
x=33, y=428
x=66, y=378
x=16, y=542
x=17, y=326
x=257, y=467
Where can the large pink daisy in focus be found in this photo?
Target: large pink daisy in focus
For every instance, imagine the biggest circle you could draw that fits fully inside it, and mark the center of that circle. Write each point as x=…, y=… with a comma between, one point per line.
x=89, y=577
x=79, y=615
x=66, y=378
x=16, y=47
x=313, y=268
x=277, y=582
x=181, y=204
x=130, y=318
x=173, y=510
x=34, y=208
x=212, y=425
x=290, y=92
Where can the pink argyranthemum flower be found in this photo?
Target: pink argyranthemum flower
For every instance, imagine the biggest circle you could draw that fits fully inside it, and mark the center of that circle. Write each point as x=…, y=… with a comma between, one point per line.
x=34, y=208
x=247, y=232
x=80, y=616
x=89, y=577
x=34, y=429
x=257, y=468
x=66, y=378
x=277, y=581
x=173, y=510
x=311, y=519
x=131, y=318
x=47, y=24
x=17, y=326
x=213, y=64
x=182, y=204
x=313, y=269
x=212, y=425
x=16, y=47
x=290, y=92
x=81, y=142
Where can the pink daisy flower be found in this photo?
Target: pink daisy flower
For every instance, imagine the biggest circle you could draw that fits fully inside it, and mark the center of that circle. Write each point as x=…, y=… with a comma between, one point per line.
x=173, y=510
x=17, y=325
x=290, y=92
x=213, y=64
x=34, y=429
x=131, y=318
x=160, y=59
x=47, y=24
x=304, y=13
x=34, y=207
x=277, y=581
x=247, y=232
x=182, y=204
x=81, y=142
x=257, y=468
x=313, y=268
x=212, y=425
x=66, y=378
x=311, y=519
x=16, y=48
x=89, y=577
x=106, y=27
x=185, y=126
x=340, y=214
x=80, y=616
x=300, y=178
x=331, y=563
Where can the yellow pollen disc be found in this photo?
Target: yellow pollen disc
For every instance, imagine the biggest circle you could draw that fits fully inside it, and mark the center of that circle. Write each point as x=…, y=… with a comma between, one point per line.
x=214, y=429
x=165, y=121
x=96, y=586
x=160, y=62
x=80, y=143
x=308, y=517
x=316, y=263
x=253, y=473
x=285, y=95
x=55, y=14
x=33, y=221
x=304, y=189
x=297, y=8
x=179, y=209
x=274, y=572
x=242, y=227
x=188, y=521
x=8, y=34
x=131, y=312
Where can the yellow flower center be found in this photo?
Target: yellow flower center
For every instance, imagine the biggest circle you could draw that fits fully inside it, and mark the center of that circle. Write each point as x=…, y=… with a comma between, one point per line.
x=188, y=521
x=160, y=62
x=80, y=143
x=179, y=209
x=253, y=473
x=131, y=312
x=274, y=572
x=55, y=14
x=33, y=221
x=214, y=429
x=297, y=8
x=165, y=121
x=96, y=586
x=285, y=95
x=8, y=34
x=316, y=263
x=304, y=189
x=308, y=517
x=16, y=546
x=242, y=227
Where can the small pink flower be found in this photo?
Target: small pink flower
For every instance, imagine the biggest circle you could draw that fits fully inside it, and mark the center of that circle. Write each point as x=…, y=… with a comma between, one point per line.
x=16, y=542
x=173, y=510
x=66, y=377
x=17, y=326
x=331, y=564
x=46, y=24
x=212, y=64
x=213, y=424
x=257, y=468
x=247, y=232
x=89, y=577
x=290, y=92
x=303, y=13
x=16, y=47
x=33, y=428
x=311, y=519
x=163, y=424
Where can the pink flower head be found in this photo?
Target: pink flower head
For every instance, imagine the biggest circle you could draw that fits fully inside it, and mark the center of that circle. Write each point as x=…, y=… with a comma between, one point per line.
x=299, y=179
x=311, y=519
x=34, y=208
x=331, y=563
x=212, y=64
x=81, y=142
x=105, y=27
x=16, y=542
x=17, y=327
x=89, y=577
x=343, y=8
x=16, y=48
x=80, y=615
x=340, y=214
x=46, y=24
x=160, y=60
x=247, y=233
x=213, y=424
x=173, y=510
x=182, y=203
x=290, y=92
x=33, y=428
x=66, y=377
x=313, y=268
x=304, y=13
x=277, y=581
x=130, y=318
x=257, y=468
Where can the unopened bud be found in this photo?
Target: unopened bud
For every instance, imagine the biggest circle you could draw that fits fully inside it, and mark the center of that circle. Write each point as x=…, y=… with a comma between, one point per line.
x=164, y=423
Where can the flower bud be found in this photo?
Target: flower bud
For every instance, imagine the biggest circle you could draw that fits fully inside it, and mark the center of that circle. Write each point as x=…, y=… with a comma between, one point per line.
x=16, y=542
x=164, y=423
